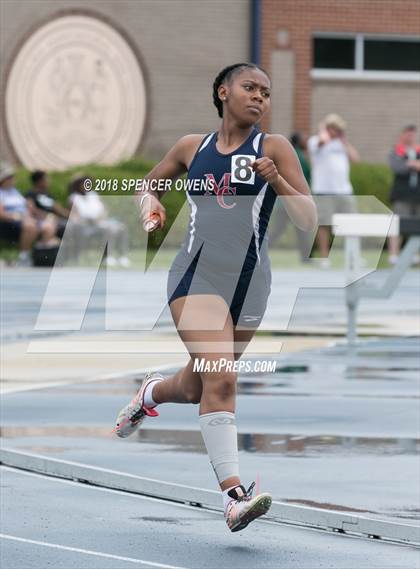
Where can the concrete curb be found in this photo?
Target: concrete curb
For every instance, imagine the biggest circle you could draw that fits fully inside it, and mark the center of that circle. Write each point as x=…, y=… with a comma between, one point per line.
x=281, y=513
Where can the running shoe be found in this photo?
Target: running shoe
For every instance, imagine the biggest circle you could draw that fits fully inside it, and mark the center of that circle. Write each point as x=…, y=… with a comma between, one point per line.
x=243, y=509
x=132, y=415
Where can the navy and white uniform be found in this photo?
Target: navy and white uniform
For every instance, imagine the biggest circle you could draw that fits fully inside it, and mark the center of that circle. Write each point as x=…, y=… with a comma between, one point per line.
x=225, y=251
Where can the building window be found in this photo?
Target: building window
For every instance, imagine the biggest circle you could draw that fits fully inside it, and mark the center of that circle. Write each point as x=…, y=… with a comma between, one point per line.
x=386, y=55
x=334, y=53
x=365, y=56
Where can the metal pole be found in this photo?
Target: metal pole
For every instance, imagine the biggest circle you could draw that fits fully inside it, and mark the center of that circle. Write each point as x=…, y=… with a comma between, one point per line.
x=352, y=247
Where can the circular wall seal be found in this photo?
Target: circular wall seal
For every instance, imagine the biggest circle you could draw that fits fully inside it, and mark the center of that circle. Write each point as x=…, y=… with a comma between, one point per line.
x=75, y=95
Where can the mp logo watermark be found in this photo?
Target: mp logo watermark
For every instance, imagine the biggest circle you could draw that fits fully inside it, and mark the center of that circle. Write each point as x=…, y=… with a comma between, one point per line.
x=135, y=301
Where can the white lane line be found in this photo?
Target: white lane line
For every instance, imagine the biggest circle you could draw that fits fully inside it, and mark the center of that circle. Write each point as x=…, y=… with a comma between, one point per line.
x=90, y=552
x=126, y=494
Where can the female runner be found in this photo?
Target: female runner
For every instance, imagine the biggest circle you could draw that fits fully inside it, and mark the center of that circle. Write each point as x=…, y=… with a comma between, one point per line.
x=219, y=283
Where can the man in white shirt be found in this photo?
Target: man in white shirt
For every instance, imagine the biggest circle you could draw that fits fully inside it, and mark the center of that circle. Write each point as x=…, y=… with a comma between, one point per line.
x=330, y=154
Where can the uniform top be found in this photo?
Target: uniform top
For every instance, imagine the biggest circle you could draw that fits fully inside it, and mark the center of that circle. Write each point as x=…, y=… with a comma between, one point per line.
x=230, y=207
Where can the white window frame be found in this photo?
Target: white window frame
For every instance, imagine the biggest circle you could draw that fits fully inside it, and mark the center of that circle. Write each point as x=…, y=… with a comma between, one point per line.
x=358, y=73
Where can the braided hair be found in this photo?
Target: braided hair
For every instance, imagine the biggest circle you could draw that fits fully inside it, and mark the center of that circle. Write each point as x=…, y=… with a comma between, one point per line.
x=225, y=75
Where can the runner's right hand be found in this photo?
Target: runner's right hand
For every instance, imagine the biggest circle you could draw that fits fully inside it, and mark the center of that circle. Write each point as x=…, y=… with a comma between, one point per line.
x=152, y=212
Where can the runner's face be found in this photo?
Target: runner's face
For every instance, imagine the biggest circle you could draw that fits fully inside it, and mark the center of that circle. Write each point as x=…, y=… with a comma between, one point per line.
x=248, y=95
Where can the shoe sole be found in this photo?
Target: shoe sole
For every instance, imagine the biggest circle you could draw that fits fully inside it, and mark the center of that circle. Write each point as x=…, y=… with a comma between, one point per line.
x=136, y=419
x=134, y=425
x=260, y=508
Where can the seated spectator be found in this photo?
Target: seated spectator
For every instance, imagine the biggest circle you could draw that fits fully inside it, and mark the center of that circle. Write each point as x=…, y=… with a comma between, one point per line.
x=43, y=206
x=404, y=160
x=16, y=223
x=89, y=218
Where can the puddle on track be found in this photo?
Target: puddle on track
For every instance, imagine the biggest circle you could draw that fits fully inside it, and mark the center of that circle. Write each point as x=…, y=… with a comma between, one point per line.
x=191, y=441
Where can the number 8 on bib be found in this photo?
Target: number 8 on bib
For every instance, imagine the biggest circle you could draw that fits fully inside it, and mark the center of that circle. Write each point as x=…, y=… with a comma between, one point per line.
x=241, y=169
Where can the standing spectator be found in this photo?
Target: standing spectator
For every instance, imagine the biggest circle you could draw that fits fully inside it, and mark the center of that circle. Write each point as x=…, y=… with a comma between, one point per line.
x=90, y=218
x=42, y=204
x=282, y=220
x=16, y=223
x=404, y=161
x=330, y=155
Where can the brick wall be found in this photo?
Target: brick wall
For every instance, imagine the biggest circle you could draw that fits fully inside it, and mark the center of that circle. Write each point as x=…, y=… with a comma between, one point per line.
x=378, y=108
x=374, y=112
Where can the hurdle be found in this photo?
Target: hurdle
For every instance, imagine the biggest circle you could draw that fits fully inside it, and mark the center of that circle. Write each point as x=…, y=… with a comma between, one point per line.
x=353, y=227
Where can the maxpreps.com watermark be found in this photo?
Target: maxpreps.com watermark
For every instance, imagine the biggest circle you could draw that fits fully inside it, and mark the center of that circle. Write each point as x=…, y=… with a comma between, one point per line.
x=240, y=366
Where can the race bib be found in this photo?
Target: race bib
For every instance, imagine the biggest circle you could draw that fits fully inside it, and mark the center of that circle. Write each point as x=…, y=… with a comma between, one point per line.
x=241, y=169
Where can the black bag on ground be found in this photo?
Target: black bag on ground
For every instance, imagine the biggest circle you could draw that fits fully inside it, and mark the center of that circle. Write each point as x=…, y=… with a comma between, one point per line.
x=43, y=256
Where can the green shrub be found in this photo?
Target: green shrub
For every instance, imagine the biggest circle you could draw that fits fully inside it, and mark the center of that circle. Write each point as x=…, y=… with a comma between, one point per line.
x=371, y=180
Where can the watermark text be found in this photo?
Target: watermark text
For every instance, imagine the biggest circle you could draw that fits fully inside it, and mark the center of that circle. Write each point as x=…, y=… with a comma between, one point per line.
x=224, y=365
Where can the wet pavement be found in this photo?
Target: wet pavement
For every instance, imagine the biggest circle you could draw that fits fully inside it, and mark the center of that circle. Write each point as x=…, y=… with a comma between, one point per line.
x=265, y=443
x=333, y=428
x=109, y=529
x=329, y=428
x=294, y=296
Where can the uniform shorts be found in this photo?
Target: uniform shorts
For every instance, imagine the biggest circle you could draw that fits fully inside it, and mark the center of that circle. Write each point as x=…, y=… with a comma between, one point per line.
x=246, y=294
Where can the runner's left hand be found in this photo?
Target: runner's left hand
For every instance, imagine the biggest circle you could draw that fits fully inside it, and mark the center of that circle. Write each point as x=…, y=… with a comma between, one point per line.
x=266, y=169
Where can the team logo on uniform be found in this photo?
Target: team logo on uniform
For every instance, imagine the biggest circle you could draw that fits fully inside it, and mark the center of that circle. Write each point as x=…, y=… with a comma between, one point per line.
x=221, y=421
x=221, y=189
